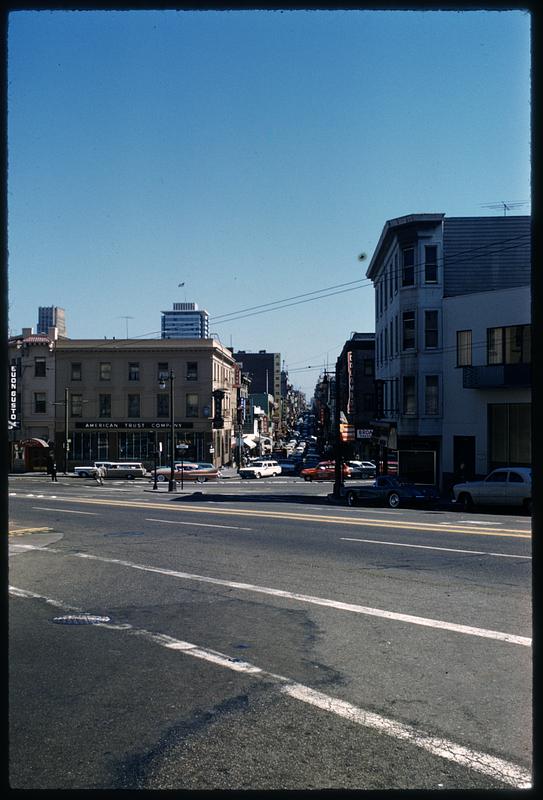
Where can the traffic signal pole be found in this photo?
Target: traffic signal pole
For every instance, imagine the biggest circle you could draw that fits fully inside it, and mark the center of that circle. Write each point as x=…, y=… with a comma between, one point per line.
x=338, y=450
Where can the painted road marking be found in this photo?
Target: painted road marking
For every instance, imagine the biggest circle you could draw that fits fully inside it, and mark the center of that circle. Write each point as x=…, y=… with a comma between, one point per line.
x=199, y=524
x=429, y=547
x=496, y=768
x=66, y=511
x=313, y=600
x=20, y=531
x=354, y=521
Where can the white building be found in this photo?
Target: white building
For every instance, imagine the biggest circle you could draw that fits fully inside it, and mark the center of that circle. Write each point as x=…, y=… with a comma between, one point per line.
x=486, y=381
x=425, y=269
x=185, y=321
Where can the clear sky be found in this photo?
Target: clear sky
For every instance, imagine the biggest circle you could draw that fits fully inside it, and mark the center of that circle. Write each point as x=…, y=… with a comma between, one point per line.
x=252, y=156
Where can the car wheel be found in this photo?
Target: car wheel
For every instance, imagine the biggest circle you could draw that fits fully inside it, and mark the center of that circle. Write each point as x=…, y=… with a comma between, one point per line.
x=161, y=478
x=393, y=500
x=201, y=480
x=466, y=501
x=129, y=477
x=83, y=474
x=351, y=499
x=257, y=475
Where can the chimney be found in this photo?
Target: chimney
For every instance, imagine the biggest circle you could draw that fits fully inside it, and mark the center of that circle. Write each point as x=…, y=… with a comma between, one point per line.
x=27, y=332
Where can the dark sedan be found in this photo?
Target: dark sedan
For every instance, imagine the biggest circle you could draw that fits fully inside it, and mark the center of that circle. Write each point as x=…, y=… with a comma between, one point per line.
x=391, y=491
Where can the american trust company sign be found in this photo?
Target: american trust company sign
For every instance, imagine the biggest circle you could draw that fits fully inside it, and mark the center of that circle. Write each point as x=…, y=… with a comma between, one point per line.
x=130, y=426
x=13, y=417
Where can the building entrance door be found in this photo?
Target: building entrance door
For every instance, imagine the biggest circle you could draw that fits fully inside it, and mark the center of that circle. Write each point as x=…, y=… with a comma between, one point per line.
x=464, y=457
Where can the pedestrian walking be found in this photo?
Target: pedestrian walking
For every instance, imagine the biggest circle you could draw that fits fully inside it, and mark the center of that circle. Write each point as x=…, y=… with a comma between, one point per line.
x=100, y=475
x=54, y=470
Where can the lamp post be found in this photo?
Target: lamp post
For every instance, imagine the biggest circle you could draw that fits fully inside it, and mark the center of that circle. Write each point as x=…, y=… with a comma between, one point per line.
x=171, y=378
x=182, y=448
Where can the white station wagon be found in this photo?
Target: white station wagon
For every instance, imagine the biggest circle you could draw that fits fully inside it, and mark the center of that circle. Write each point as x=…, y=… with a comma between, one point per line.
x=506, y=486
x=262, y=468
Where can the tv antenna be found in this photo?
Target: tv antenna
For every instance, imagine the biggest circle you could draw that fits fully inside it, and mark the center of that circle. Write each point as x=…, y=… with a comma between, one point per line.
x=509, y=206
x=126, y=320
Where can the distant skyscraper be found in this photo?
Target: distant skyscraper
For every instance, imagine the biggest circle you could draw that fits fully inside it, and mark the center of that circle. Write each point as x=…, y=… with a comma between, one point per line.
x=185, y=322
x=51, y=317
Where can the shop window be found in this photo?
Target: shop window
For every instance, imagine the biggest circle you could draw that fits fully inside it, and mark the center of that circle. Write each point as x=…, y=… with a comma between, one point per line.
x=510, y=434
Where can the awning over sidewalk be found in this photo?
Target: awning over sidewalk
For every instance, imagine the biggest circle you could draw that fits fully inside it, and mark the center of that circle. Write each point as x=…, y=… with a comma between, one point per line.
x=35, y=443
x=251, y=444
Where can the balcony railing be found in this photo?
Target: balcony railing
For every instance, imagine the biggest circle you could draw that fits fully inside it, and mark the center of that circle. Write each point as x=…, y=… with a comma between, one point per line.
x=497, y=376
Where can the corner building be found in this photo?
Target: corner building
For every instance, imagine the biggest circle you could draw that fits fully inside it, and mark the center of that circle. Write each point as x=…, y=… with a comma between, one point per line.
x=119, y=394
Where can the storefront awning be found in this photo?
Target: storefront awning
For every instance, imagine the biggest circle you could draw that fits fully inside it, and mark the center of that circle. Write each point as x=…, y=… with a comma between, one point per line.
x=35, y=443
x=251, y=444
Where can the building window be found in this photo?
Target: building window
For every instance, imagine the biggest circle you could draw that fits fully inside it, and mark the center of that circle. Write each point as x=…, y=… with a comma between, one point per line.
x=133, y=371
x=391, y=278
x=133, y=405
x=40, y=403
x=408, y=333
x=162, y=405
x=386, y=343
x=463, y=348
x=192, y=405
x=431, y=395
x=192, y=370
x=39, y=367
x=430, y=264
x=162, y=371
x=369, y=367
x=385, y=288
x=510, y=434
x=76, y=405
x=105, y=370
x=396, y=272
x=104, y=405
x=409, y=399
x=76, y=372
x=430, y=329
x=510, y=345
x=408, y=267
x=391, y=337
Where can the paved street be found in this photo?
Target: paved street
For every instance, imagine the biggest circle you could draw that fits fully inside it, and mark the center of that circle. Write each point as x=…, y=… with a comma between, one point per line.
x=252, y=635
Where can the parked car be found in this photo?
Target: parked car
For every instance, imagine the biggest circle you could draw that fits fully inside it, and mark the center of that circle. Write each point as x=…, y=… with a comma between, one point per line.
x=114, y=469
x=362, y=469
x=262, y=468
x=391, y=491
x=506, y=486
x=324, y=471
x=201, y=472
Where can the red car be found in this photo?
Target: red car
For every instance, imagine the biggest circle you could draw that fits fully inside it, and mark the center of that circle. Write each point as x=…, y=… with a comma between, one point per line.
x=324, y=471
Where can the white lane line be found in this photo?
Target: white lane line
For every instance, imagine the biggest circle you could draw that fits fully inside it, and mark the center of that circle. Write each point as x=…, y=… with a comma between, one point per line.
x=319, y=601
x=475, y=522
x=198, y=524
x=67, y=511
x=429, y=547
x=481, y=762
x=496, y=768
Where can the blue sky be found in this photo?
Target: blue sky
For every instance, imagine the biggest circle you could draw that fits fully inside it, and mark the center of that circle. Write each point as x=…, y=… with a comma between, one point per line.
x=251, y=155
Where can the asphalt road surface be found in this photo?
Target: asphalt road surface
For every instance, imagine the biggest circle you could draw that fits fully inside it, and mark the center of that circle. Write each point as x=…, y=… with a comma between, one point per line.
x=252, y=635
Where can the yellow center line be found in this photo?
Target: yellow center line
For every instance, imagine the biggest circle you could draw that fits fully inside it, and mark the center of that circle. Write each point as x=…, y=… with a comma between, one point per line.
x=360, y=522
x=15, y=531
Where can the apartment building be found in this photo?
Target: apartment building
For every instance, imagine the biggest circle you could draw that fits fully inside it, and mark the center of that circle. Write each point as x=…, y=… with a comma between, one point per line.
x=422, y=262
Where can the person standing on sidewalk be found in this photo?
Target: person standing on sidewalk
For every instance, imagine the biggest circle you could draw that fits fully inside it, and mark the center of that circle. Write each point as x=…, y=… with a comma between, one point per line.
x=54, y=470
x=100, y=475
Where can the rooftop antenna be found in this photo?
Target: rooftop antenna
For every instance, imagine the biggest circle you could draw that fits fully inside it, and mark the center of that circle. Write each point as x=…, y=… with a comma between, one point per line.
x=509, y=206
x=179, y=285
x=126, y=318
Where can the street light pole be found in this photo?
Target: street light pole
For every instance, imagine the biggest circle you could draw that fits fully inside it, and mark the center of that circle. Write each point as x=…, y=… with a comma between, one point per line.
x=66, y=437
x=171, y=483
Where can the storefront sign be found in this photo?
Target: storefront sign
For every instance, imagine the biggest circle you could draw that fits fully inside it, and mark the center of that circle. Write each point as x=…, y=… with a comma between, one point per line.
x=350, y=382
x=364, y=433
x=14, y=422
x=125, y=425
